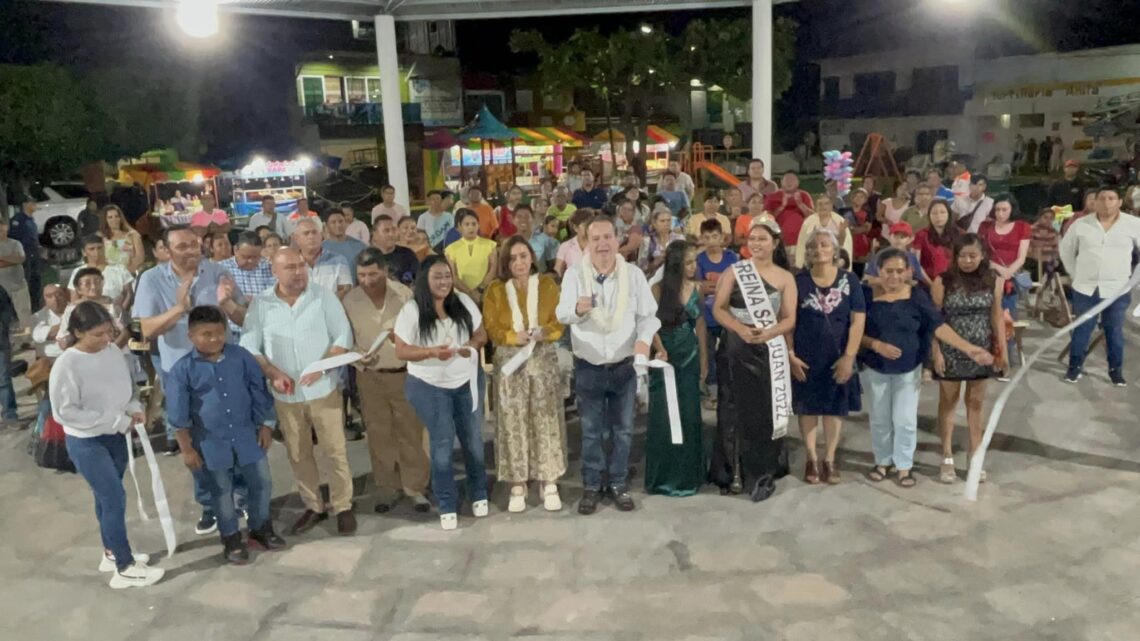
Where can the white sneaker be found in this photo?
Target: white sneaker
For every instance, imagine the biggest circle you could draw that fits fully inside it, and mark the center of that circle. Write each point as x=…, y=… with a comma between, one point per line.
x=518, y=500
x=136, y=576
x=479, y=508
x=108, y=562
x=449, y=521
x=550, y=499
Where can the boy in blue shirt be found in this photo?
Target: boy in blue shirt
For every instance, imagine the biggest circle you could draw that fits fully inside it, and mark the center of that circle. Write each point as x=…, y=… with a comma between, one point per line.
x=711, y=262
x=218, y=402
x=900, y=235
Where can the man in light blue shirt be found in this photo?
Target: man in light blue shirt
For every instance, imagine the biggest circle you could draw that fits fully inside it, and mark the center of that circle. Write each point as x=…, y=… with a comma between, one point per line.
x=287, y=329
x=337, y=241
x=165, y=296
x=674, y=197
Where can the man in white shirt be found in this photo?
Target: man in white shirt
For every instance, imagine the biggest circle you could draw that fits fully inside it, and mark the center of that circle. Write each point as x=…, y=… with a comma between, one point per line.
x=326, y=268
x=976, y=205
x=45, y=323
x=436, y=221
x=684, y=181
x=268, y=217
x=388, y=205
x=1097, y=252
x=288, y=328
x=612, y=317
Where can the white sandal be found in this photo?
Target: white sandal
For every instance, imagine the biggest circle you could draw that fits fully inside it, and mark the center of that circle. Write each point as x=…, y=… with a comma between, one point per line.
x=550, y=499
x=518, y=499
x=480, y=508
x=449, y=521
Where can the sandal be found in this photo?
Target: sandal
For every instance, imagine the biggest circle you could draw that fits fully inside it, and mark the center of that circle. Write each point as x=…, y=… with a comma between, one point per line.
x=946, y=472
x=829, y=473
x=906, y=481
x=811, y=473
x=877, y=473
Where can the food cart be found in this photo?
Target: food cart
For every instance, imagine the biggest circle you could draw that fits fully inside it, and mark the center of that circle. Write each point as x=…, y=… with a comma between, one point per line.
x=284, y=180
x=659, y=143
x=173, y=187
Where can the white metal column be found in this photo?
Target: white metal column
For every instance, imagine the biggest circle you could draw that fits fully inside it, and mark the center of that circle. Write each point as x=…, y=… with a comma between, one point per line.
x=762, y=82
x=391, y=108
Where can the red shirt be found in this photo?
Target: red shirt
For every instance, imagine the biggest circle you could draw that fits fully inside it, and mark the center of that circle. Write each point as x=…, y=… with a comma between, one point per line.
x=788, y=217
x=1004, y=247
x=935, y=259
x=860, y=242
x=507, y=223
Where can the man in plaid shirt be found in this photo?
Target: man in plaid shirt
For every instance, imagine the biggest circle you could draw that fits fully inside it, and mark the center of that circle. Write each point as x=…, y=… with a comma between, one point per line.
x=252, y=273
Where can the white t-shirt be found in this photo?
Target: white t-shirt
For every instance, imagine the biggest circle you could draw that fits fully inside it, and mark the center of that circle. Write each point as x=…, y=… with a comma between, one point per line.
x=395, y=212
x=435, y=227
x=116, y=278
x=12, y=277
x=447, y=374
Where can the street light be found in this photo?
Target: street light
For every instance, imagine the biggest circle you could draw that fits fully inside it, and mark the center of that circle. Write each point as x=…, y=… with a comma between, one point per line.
x=646, y=29
x=198, y=18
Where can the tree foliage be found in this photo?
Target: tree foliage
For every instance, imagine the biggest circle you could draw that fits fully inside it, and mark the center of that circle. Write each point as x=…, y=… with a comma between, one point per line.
x=49, y=125
x=145, y=108
x=626, y=68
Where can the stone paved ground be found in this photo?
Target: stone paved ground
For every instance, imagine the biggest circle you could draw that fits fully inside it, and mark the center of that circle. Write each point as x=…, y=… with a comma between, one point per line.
x=1051, y=551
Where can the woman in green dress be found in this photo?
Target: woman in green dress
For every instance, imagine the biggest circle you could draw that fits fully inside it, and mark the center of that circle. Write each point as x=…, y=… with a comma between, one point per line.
x=677, y=469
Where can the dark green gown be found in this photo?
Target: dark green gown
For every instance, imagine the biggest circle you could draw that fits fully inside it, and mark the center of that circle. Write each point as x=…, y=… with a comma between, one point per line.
x=677, y=470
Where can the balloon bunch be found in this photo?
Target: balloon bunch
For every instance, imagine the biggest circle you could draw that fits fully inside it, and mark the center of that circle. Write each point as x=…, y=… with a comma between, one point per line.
x=837, y=167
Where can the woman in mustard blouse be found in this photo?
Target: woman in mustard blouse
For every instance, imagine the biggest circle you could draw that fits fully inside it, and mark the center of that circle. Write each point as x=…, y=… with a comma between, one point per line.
x=518, y=312
x=472, y=257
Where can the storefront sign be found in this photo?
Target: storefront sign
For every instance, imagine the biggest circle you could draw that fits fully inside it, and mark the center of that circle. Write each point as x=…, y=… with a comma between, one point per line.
x=440, y=101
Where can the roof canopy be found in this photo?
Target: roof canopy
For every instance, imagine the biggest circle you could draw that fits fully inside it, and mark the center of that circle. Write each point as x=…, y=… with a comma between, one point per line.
x=486, y=126
x=436, y=9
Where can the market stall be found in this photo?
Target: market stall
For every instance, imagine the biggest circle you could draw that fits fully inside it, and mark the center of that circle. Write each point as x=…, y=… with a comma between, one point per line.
x=284, y=180
x=660, y=142
x=173, y=187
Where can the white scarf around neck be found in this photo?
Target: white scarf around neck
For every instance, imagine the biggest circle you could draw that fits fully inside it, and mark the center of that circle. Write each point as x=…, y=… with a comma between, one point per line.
x=599, y=314
x=517, y=323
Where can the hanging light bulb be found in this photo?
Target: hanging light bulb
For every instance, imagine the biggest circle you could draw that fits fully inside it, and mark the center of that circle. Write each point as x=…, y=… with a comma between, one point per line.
x=198, y=18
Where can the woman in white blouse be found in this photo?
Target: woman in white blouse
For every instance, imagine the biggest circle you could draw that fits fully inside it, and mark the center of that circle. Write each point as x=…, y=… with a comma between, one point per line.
x=93, y=399
x=440, y=332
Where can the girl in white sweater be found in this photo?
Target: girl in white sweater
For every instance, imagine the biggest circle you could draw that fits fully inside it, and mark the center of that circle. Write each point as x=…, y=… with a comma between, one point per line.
x=93, y=399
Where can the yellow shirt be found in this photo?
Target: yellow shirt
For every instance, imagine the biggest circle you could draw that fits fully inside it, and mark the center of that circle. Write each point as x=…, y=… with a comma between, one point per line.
x=497, y=311
x=470, y=258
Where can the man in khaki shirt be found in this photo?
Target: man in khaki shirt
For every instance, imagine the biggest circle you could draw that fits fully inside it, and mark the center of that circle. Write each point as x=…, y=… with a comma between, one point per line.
x=400, y=464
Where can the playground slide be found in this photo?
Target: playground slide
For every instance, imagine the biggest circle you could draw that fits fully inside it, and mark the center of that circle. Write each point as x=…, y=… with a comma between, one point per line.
x=717, y=172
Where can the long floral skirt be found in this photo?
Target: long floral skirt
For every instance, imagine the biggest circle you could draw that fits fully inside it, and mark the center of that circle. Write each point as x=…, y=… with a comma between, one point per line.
x=530, y=434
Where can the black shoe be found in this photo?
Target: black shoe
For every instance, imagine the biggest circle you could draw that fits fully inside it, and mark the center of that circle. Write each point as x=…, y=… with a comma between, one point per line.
x=278, y=436
x=235, y=552
x=588, y=504
x=1072, y=375
x=207, y=524
x=1117, y=377
x=308, y=521
x=172, y=449
x=623, y=500
x=765, y=487
x=267, y=538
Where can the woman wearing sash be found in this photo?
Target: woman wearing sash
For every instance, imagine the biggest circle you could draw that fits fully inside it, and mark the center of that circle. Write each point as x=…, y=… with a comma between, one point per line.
x=530, y=438
x=677, y=469
x=829, y=326
x=754, y=398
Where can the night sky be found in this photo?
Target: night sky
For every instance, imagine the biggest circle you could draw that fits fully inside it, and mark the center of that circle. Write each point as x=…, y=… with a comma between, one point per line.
x=249, y=75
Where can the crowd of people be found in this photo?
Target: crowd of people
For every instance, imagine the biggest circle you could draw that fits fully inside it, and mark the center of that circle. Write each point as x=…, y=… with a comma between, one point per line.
x=767, y=304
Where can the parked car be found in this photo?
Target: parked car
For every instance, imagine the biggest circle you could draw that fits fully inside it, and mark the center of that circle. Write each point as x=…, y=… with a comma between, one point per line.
x=58, y=205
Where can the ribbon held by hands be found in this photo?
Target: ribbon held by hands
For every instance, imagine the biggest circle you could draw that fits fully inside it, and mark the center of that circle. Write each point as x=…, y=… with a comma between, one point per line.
x=161, y=505
x=674, y=406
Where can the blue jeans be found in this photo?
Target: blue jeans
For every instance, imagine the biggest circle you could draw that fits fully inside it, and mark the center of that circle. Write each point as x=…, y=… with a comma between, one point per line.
x=894, y=416
x=1111, y=320
x=7, y=392
x=447, y=414
x=202, y=494
x=102, y=460
x=259, y=487
x=606, y=396
x=1009, y=304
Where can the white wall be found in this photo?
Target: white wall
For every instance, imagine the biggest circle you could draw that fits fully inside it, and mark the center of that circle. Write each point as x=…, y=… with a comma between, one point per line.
x=901, y=62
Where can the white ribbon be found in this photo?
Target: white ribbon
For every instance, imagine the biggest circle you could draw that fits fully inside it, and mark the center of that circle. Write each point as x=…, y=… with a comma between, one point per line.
x=977, y=461
x=607, y=322
x=519, y=359
x=160, y=503
x=763, y=316
x=518, y=325
x=473, y=374
x=670, y=376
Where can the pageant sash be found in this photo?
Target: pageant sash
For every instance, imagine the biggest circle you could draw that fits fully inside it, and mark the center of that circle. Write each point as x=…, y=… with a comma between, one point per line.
x=760, y=310
x=670, y=376
x=160, y=503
